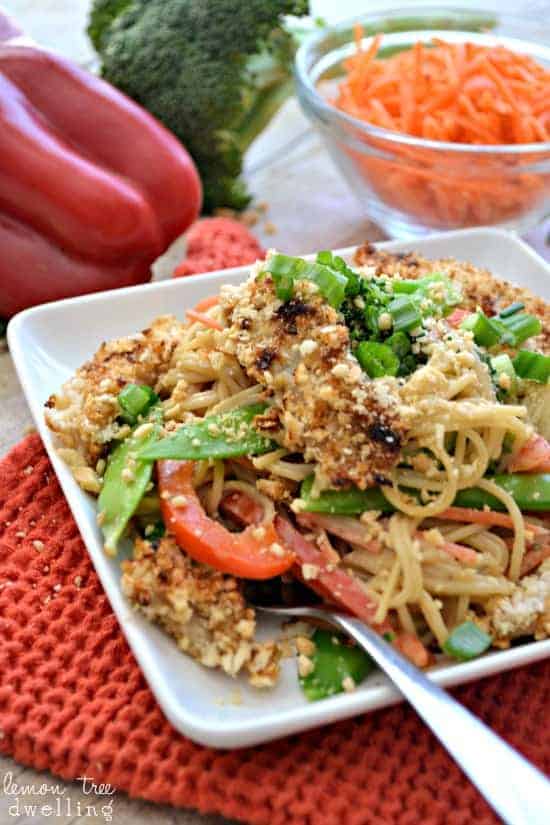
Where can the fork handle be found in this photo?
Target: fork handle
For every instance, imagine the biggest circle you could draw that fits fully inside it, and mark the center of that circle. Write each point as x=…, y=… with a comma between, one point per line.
x=518, y=792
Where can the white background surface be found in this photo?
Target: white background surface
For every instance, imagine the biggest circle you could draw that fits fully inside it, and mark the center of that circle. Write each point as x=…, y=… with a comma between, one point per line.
x=60, y=24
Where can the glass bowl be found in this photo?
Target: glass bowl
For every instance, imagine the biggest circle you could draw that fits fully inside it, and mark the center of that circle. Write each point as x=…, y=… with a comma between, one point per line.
x=411, y=186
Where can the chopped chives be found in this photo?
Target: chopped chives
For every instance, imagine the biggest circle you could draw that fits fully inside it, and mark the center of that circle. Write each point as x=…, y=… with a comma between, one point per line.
x=135, y=400
x=522, y=326
x=405, y=314
x=286, y=270
x=504, y=371
x=485, y=331
x=533, y=366
x=377, y=359
x=400, y=343
x=517, y=306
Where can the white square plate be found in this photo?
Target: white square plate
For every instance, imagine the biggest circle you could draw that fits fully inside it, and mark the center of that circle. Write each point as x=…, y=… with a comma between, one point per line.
x=49, y=342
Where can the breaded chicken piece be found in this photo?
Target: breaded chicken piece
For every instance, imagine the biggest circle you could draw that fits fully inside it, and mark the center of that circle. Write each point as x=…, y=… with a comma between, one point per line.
x=83, y=413
x=323, y=404
x=202, y=609
x=526, y=611
x=479, y=287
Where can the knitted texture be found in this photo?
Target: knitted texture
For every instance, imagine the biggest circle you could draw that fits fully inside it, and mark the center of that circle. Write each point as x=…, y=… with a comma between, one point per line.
x=218, y=243
x=72, y=700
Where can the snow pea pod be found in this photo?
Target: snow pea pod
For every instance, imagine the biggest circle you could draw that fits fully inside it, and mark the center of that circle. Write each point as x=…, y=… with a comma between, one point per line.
x=530, y=491
x=125, y=482
x=344, y=502
x=337, y=666
x=227, y=435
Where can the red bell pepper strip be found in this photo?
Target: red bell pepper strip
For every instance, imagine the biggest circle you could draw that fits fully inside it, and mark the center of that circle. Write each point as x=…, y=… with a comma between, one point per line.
x=332, y=583
x=92, y=188
x=533, y=457
x=256, y=553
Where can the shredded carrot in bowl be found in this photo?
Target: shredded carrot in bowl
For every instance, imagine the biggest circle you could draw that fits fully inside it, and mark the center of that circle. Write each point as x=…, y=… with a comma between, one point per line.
x=457, y=93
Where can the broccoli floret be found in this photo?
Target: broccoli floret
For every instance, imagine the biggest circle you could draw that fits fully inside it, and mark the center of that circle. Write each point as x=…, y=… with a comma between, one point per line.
x=213, y=71
x=102, y=15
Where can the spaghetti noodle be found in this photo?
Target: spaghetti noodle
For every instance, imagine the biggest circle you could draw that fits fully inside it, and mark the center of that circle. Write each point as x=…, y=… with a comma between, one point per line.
x=423, y=562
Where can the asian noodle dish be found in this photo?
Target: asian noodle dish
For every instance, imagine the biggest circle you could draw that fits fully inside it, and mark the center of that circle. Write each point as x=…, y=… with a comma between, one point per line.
x=373, y=433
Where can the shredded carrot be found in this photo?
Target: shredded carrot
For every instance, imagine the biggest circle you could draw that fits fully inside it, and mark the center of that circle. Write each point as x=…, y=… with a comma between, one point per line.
x=489, y=518
x=193, y=315
x=458, y=93
x=412, y=648
x=533, y=457
x=207, y=303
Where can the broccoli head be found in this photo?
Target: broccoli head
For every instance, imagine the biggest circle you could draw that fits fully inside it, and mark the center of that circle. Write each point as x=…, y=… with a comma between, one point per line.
x=213, y=71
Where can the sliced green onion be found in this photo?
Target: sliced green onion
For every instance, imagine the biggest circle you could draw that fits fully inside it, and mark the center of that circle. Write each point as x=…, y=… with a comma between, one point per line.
x=486, y=332
x=400, y=343
x=371, y=315
x=286, y=270
x=448, y=294
x=512, y=328
x=504, y=372
x=517, y=306
x=406, y=286
x=332, y=285
x=377, y=359
x=522, y=326
x=467, y=641
x=135, y=400
x=406, y=316
x=533, y=366
x=336, y=262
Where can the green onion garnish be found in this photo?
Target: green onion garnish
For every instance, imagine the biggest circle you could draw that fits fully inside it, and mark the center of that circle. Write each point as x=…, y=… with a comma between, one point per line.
x=513, y=328
x=467, y=641
x=437, y=288
x=533, y=366
x=517, y=306
x=485, y=331
x=377, y=359
x=504, y=372
x=521, y=326
x=400, y=343
x=406, y=316
x=406, y=286
x=286, y=270
x=135, y=400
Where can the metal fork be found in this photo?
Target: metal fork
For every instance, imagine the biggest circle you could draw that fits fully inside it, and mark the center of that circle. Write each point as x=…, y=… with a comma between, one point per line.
x=517, y=791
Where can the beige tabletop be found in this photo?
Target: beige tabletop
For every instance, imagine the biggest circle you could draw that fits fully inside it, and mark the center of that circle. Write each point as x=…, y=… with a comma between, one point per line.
x=309, y=207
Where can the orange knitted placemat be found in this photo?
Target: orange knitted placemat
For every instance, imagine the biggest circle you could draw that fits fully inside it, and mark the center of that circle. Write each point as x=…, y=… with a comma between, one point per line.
x=72, y=700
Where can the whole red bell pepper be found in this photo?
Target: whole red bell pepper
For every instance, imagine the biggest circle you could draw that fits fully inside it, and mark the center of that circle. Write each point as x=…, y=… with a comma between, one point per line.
x=92, y=188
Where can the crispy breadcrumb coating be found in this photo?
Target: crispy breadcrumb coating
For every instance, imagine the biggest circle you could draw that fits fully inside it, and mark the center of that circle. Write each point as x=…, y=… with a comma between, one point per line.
x=323, y=404
x=202, y=609
x=83, y=414
x=526, y=611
